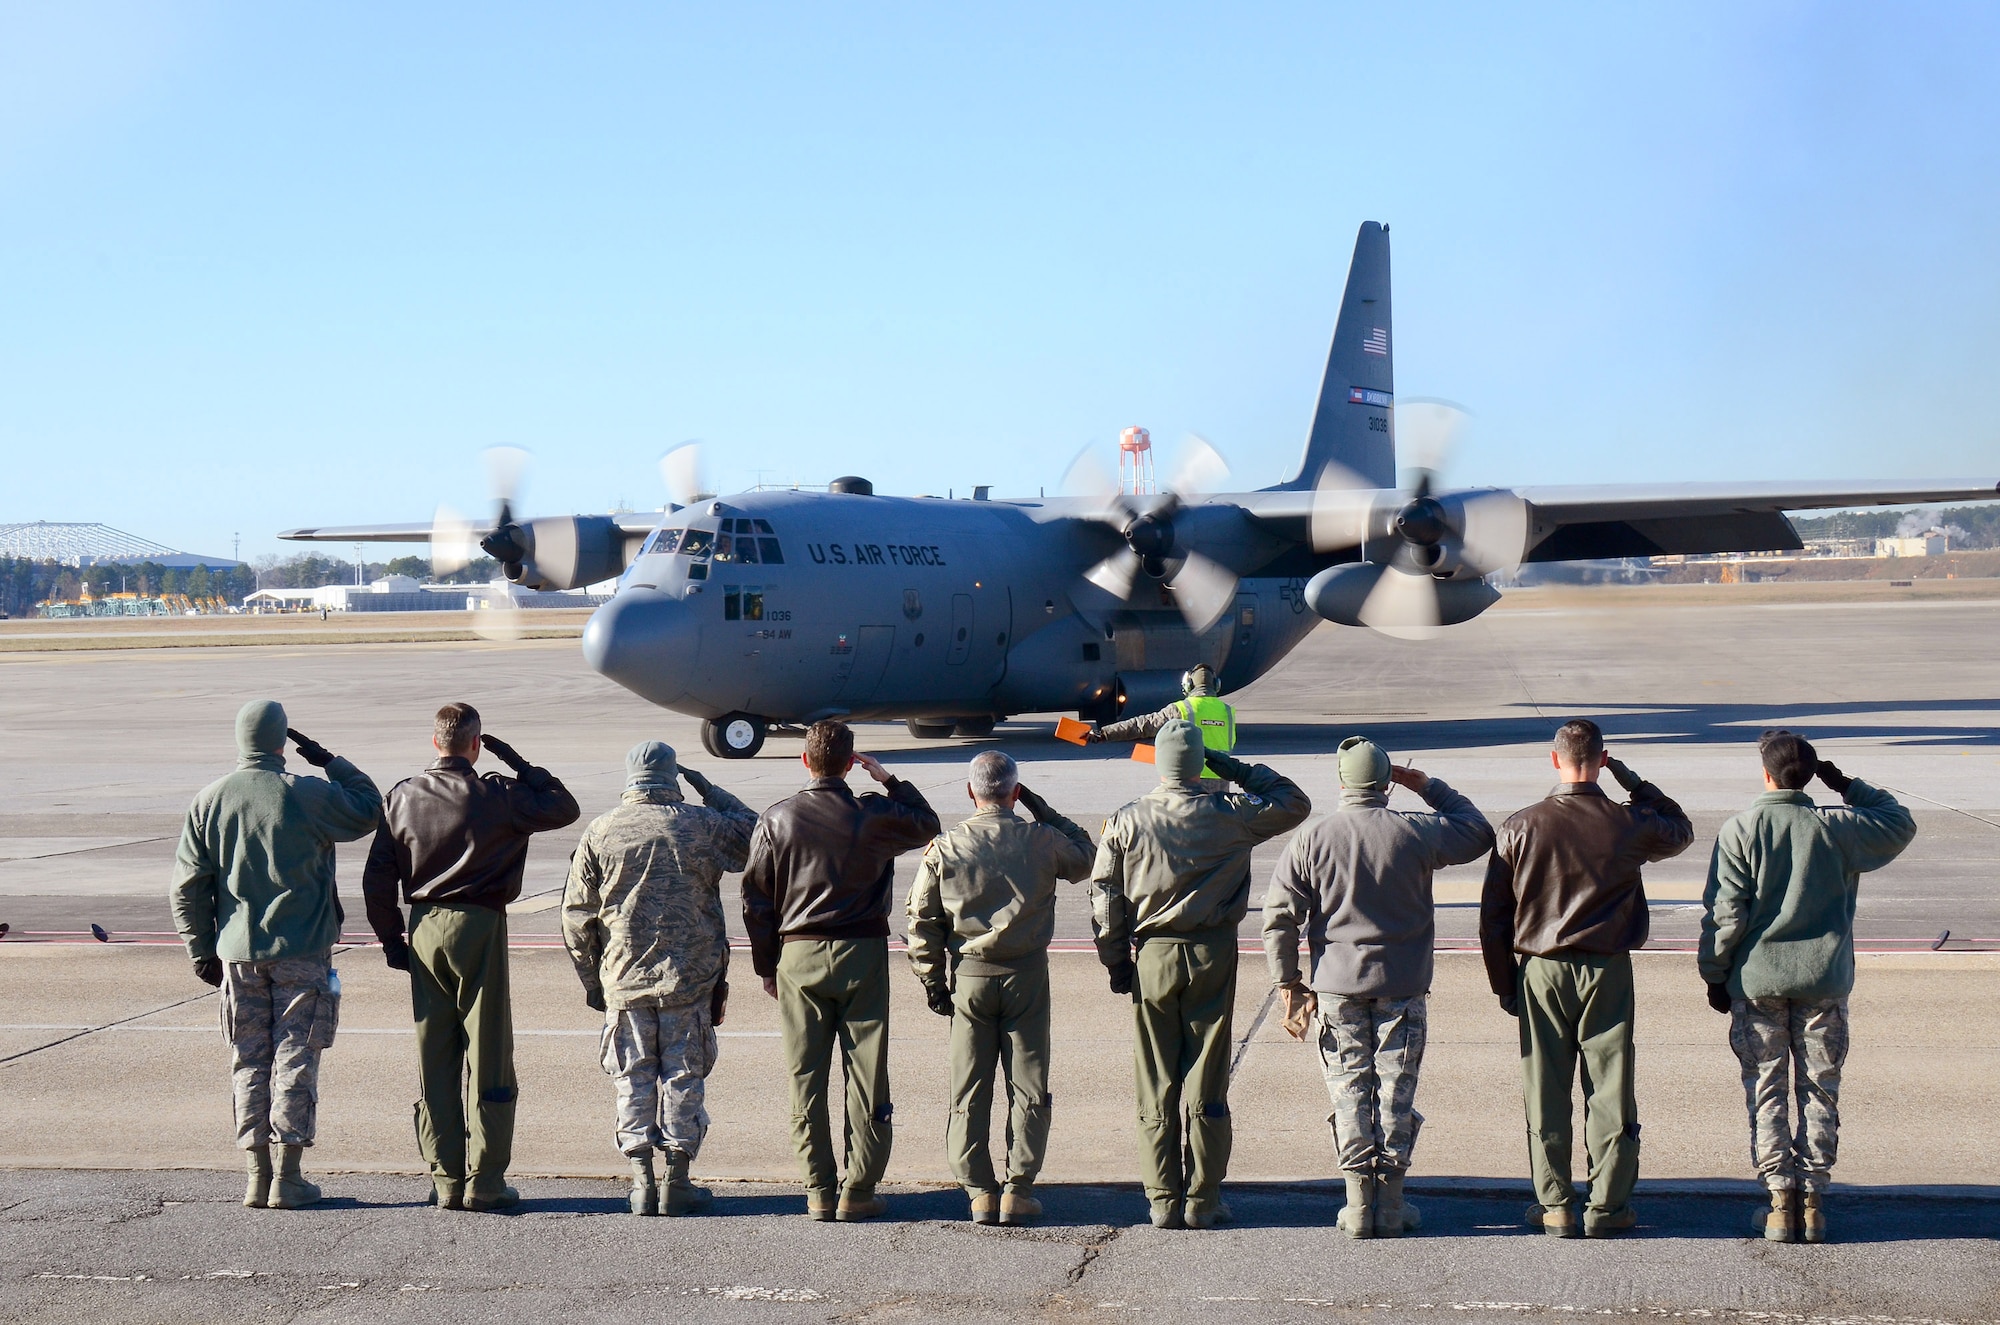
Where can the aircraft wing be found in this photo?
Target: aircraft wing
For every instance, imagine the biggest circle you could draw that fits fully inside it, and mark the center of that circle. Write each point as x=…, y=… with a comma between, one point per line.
x=1655, y=519
x=627, y=522
x=1643, y=520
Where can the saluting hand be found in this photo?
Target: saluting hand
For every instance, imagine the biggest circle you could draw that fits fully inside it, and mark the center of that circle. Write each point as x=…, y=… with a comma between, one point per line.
x=1409, y=776
x=873, y=767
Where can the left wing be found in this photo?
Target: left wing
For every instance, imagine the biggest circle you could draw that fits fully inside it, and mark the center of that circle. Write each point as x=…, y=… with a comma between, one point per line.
x=626, y=522
x=1637, y=520
x=1647, y=520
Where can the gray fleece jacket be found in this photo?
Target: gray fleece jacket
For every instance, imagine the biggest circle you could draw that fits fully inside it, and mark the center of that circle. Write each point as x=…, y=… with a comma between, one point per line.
x=1358, y=883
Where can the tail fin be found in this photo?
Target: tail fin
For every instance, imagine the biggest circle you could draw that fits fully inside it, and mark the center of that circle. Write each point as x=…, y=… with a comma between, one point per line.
x=1352, y=425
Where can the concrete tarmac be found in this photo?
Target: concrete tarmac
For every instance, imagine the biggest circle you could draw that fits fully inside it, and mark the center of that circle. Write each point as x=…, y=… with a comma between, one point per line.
x=110, y=1061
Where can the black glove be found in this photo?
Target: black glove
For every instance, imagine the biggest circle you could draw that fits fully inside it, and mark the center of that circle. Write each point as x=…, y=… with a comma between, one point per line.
x=1227, y=767
x=1093, y=737
x=718, y=1003
x=594, y=999
x=1718, y=997
x=1510, y=1004
x=1626, y=777
x=209, y=971
x=310, y=750
x=505, y=753
x=1122, y=976
x=1035, y=804
x=702, y=786
x=939, y=998
x=1834, y=778
x=397, y=955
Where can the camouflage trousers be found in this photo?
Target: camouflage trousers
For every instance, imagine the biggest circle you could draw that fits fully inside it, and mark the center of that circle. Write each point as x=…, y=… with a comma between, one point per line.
x=1372, y=1050
x=660, y=1059
x=277, y=1017
x=1776, y=1038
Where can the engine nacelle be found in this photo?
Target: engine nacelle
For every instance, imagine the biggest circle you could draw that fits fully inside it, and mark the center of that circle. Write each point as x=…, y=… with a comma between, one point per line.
x=568, y=551
x=1338, y=592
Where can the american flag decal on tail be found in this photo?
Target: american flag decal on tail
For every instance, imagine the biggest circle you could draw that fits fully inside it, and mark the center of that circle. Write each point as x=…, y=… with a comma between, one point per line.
x=1377, y=342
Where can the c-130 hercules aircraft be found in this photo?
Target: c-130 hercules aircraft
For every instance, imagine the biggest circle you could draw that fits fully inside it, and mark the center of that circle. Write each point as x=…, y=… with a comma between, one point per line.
x=778, y=608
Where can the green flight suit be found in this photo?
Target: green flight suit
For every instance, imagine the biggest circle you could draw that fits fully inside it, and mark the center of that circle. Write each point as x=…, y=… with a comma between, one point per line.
x=465, y=1042
x=1173, y=878
x=1578, y=1009
x=828, y=990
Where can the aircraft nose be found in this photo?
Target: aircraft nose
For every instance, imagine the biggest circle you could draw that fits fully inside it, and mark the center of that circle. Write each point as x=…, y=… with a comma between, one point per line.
x=645, y=641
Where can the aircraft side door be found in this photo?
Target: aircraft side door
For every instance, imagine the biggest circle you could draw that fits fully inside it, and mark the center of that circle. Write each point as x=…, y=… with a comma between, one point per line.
x=872, y=648
x=961, y=629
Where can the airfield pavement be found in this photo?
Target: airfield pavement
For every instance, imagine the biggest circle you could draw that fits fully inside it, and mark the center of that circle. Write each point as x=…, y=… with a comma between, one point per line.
x=117, y=1176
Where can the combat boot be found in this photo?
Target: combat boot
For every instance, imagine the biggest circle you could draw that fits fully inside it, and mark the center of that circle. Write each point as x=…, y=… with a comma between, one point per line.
x=1358, y=1218
x=290, y=1190
x=679, y=1196
x=490, y=1193
x=644, y=1198
x=1779, y=1221
x=258, y=1194
x=986, y=1207
x=1393, y=1215
x=1017, y=1208
x=1167, y=1213
x=1207, y=1215
x=857, y=1205
x=1558, y=1221
x=1812, y=1217
x=822, y=1204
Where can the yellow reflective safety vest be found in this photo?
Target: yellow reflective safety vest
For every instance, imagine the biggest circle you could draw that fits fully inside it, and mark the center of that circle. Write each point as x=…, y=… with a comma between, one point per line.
x=1215, y=718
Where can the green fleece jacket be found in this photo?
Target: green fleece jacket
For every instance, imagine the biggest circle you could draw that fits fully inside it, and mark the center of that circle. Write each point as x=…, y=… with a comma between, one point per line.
x=253, y=877
x=1778, y=913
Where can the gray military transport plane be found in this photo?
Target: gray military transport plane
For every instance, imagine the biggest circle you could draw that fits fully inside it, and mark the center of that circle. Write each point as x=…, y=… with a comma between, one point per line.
x=776, y=608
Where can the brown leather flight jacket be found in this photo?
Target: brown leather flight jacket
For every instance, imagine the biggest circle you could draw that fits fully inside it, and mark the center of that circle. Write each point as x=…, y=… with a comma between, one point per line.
x=822, y=862
x=450, y=835
x=1564, y=876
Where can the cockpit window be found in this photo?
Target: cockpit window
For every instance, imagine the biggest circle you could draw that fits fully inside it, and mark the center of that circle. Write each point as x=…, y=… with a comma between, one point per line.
x=764, y=527
x=768, y=549
x=664, y=541
x=697, y=543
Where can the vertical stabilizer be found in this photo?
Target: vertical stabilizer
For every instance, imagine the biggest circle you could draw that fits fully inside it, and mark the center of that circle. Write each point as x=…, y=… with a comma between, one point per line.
x=1352, y=425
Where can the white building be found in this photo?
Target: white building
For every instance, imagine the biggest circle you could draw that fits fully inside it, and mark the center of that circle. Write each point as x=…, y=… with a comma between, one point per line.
x=1930, y=543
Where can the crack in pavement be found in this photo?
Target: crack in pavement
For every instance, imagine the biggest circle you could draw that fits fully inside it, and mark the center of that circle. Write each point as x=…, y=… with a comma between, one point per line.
x=1091, y=1252
x=1256, y=1024
x=92, y=1030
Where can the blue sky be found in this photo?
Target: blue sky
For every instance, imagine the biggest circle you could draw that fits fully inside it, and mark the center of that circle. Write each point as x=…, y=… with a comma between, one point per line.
x=266, y=265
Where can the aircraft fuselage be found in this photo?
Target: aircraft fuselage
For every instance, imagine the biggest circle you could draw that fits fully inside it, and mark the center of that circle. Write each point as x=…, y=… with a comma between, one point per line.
x=794, y=606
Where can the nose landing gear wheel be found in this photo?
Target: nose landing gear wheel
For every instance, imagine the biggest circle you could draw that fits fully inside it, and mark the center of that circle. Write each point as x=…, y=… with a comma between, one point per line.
x=927, y=731
x=733, y=736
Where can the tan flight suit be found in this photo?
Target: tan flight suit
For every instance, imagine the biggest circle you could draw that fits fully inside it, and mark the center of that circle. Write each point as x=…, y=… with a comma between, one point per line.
x=981, y=914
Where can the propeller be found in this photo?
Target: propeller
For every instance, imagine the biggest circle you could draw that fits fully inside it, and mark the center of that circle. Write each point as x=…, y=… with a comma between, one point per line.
x=684, y=474
x=1438, y=535
x=456, y=540
x=1202, y=587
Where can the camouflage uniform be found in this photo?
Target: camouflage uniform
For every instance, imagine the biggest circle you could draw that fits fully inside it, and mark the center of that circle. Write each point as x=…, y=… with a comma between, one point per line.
x=660, y=1059
x=1778, y=933
x=642, y=917
x=253, y=887
x=277, y=1017
x=1372, y=1050
x=1770, y=1037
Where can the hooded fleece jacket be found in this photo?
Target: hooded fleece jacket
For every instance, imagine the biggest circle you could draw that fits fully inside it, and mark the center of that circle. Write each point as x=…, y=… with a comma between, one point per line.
x=1778, y=913
x=1174, y=865
x=253, y=875
x=1358, y=883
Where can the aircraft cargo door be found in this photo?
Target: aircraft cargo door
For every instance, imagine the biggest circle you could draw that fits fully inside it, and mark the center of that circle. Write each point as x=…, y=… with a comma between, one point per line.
x=961, y=628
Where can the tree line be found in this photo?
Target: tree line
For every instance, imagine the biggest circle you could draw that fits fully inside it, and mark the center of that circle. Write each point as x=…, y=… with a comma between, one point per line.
x=310, y=570
x=25, y=582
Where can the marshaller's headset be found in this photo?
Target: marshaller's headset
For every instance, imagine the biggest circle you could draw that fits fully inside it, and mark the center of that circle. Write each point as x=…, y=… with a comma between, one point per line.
x=1199, y=677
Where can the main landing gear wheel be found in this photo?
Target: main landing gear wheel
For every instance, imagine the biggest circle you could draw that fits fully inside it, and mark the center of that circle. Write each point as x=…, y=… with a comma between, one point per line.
x=734, y=736
x=927, y=731
x=973, y=727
